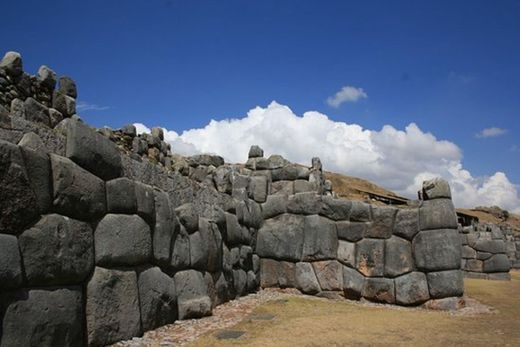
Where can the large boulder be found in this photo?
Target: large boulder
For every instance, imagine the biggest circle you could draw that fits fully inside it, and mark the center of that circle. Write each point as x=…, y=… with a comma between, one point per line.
x=274, y=206
x=351, y=231
x=112, y=307
x=360, y=212
x=407, y=223
x=370, y=255
x=353, y=283
x=180, y=258
x=165, y=228
x=233, y=235
x=38, y=169
x=122, y=240
x=379, y=290
x=444, y=284
x=67, y=86
x=57, y=250
x=398, y=256
x=43, y=317
x=329, y=274
x=336, y=209
x=347, y=253
x=411, y=289
x=77, y=193
x=282, y=238
x=437, y=214
x=12, y=64
x=192, y=294
x=145, y=198
x=249, y=213
x=188, y=217
x=320, y=239
x=306, y=280
x=436, y=188
x=497, y=263
x=277, y=273
x=490, y=246
x=157, y=298
x=16, y=189
x=436, y=250
x=121, y=196
x=64, y=104
x=10, y=263
x=47, y=77
x=36, y=112
x=382, y=222
x=258, y=188
x=304, y=203
x=93, y=151
x=255, y=152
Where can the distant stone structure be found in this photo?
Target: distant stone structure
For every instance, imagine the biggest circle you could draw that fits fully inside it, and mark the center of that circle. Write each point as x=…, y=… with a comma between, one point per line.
x=105, y=234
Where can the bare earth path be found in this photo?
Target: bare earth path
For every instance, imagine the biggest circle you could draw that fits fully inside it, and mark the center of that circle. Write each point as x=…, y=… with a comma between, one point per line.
x=284, y=319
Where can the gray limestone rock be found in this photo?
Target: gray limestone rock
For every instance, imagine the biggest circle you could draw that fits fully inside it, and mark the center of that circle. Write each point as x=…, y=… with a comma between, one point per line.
x=249, y=213
x=436, y=250
x=10, y=263
x=468, y=252
x=282, y=188
x=360, y=212
x=274, y=206
x=255, y=152
x=398, y=257
x=158, y=132
x=93, y=151
x=206, y=160
x=43, y=317
x=38, y=169
x=112, y=307
x=252, y=282
x=47, y=77
x=129, y=130
x=490, y=246
x=165, y=228
x=121, y=196
x=157, y=298
x=379, y=290
x=382, y=224
x=240, y=282
x=306, y=280
x=281, y=238
x=497, y=263
x=145, y=198
x=68, y=87
x=347, y=253
x=188, y=217
x=57, y=250
x=411, y=289
x=407, y=223
x=351, y=231
x=303, y=186
x=258, y=188
x=36, y=112
x=180, y=258
x=122, y=240
x=353, y=283
x=192, y=295
x=64, y=104
x=12, y=64
x=370, y=255
x=329, y=274
x=304, y=203
x=436, y=188
x=335, y=209
x=320, y=239
x=437, y=214
x=445, y=283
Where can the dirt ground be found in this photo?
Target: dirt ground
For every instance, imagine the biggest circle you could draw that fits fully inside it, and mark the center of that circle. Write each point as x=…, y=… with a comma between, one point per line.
x=301, y=321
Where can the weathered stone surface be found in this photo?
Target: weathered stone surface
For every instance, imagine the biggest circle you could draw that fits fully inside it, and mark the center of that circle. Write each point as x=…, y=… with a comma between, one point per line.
x=347, y=253
x=212, y=237
x=468, y=252
x=370, y=255
x=398, y=256
x=67, y=86
x=93, y=151
x=246, y=257
x=335, y=209
x=122, y=240
x=129, y=130
x=77, y=193
x=64, y=104
x=158, y=132
x=446, y=304
x=411, y=289
x=112, y=307
x=445, y=283
x=351, y=231
x=382, y=224
x=36, y=112
x=192, y=295
x=407, y=223
x=277, y=273
x=10, y=263
x=188, y=217
x=121, y=197
x=15, y=188
x=379, y=290
x=40, y=317
x=32, y=141
x=256, y=263
x=274, y=206
x=329, y=274
x=490, y=246
x=233, y=230
x=286, y=173
x=304, y=203
x=198, y=251
x=180, y=258
x=240, y=282
x=206, y=160
x=38, y=169
x=222, y=179
x=360, y=212
x=437, y=214
x=303, y=186
x=145, y=197
x=353, y=283
x=500, y=276
x=165, y=228
x=252, y=282
x=255, y=152
x=157, y=298
x=497, y=263
x=12, y=64
x=473, y=265
x=282, y=188
x=478, y=275
x=258, y=188
x=483, y=255
x=436, y=250
x=436, y=188
x=57, y=250
x=249, y=213
x=282, y=238
x=320, y=239
x=306, y=280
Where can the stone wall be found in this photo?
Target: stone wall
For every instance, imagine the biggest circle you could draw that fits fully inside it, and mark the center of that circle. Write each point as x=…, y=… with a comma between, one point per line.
x=488, y=252
x=105, y=234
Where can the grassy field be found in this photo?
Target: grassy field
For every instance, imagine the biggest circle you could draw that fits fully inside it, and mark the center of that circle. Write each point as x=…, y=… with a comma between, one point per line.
x=309, y=322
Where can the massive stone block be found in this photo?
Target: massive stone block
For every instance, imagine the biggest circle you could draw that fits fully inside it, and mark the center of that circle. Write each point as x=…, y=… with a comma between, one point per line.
x=351, y=231
x=36, y=112
x=281, y=238
x=38, y=169
x=93, y=151
x=382, y=222
x=121, y=196
x=15, y=188
x=145, y=197
x=112, y=307
x=347, y=253
x=370, y=255
x=157, y=298
x=249, y=214
x=180, y=258
x=436, y=188
x=407, y=223
x=360, y=212
x=497, y=263
x=240, y=282
x=490, y=246
x=320, y=239
x=443, y=284
x=77, y=193
x=335, y=209
x=122, y=240
x=10, y=263
x=57, y=250
x=38, y=317
x=329, y=274
x=192, y=294
x=353, y=283
x=436, y=250
x=437, y=214
x=306, y=280
x=398, y=256
x=274, y=206
x=277, y=273
x=233, y=234
x=379, y=290
x=304, y=203
x=411, y=289
x=165, y=228
x=258, y=188
x=188, y=217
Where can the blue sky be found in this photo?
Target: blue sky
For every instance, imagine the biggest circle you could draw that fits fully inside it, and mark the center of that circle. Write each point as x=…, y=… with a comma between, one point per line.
x=451, y=67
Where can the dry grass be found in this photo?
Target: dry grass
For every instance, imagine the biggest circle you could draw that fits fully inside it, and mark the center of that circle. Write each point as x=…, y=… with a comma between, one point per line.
x=311, y=322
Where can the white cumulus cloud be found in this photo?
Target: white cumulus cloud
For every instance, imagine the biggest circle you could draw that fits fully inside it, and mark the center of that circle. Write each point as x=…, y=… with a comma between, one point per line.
x=491, y=132
x=397, y=159
x=346, y=94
